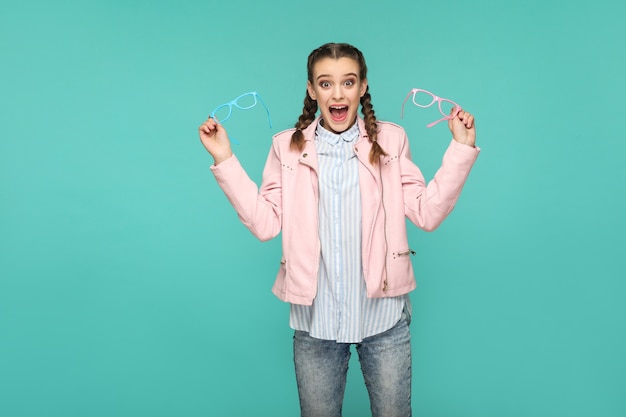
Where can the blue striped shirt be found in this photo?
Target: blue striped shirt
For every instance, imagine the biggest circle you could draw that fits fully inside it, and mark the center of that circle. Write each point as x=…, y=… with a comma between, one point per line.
x=341, y=310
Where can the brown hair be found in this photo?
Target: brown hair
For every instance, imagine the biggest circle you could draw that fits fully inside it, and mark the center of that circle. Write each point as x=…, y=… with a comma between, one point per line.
x=336, y=51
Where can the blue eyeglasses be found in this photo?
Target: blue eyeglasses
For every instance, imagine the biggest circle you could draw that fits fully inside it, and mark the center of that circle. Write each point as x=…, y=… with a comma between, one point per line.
x=245, y=101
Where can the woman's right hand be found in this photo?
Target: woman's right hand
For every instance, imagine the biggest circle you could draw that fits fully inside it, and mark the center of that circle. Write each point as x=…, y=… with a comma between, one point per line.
x=215, y=139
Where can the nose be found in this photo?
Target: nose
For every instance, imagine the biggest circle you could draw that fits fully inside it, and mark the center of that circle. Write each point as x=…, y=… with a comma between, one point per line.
x=337, y=91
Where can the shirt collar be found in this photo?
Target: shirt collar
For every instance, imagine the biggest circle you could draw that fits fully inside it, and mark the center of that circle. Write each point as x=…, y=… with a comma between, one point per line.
x=349, y=135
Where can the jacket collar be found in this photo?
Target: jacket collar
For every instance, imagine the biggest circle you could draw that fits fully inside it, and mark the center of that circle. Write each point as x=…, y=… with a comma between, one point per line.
x=324, y=135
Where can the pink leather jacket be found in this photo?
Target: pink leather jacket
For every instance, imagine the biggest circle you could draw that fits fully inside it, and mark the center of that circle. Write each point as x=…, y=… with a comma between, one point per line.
x=391, y=190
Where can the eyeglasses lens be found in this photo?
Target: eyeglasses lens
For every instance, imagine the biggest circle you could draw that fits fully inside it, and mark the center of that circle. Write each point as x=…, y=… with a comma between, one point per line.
x=447, y=106
x=247, y=101
x=423, y=99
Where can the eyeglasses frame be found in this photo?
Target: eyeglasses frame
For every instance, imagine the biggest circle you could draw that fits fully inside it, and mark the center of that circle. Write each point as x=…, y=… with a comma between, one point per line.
x=233, y=103
x=437, y=99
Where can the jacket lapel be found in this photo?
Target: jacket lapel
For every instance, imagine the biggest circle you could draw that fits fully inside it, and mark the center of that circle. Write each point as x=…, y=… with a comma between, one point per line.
x=362, y=149
x=308, y=156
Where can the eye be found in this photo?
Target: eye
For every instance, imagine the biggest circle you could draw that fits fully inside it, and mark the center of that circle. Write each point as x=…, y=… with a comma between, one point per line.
x=324, y=84
x=349, y=83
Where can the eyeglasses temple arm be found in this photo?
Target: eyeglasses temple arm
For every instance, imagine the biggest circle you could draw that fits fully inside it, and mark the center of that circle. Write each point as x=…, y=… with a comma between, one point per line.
x=404, y=102
x=266, y=109
x=457, y=109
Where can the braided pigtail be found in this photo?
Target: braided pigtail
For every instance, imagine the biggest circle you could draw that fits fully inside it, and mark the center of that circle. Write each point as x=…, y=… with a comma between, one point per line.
x=371, y=127
x=305, y=119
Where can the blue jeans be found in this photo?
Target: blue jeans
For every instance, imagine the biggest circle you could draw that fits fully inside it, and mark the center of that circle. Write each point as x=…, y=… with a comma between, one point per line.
x=322, y=366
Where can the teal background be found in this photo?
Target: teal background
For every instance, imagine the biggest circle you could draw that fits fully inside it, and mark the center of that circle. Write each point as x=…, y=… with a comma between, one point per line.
x=128, y=287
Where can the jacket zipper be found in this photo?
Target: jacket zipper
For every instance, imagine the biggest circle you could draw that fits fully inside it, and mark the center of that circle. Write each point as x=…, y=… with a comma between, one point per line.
x=382, y=202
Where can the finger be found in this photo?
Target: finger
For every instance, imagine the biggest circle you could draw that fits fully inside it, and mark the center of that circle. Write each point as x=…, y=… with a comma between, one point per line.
x=208, y=128
x=206, y=125
x=464, y=116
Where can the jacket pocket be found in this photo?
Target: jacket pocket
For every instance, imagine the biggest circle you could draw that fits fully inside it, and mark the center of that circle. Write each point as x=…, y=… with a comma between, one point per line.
x=402, y=253
x=400, y=270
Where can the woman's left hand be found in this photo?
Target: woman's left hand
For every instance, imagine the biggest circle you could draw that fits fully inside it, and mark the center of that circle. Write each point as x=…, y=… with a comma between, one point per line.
x=463, y=128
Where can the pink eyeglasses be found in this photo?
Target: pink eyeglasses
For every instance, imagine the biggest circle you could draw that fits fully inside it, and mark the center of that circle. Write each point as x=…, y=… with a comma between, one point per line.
x=423, y=98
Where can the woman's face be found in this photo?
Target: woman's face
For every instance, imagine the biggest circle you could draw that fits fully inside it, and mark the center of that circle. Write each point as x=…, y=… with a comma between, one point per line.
x=337, y=89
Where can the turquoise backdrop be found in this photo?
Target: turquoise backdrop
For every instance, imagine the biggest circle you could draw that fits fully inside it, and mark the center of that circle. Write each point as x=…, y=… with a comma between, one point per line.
x=128, y=287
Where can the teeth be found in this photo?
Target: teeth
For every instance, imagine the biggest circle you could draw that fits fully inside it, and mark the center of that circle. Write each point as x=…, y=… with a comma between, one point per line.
x=338, y=107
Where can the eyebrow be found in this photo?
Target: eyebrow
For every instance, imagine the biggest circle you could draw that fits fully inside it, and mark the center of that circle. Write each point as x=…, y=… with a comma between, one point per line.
x=350, y=74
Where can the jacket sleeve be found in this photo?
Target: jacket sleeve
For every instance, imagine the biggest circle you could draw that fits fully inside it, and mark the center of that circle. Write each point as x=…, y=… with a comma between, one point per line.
x=427, y=205
x=259, y=210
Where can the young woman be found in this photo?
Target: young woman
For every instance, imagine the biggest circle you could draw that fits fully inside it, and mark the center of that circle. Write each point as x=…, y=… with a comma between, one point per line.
x=339, y=187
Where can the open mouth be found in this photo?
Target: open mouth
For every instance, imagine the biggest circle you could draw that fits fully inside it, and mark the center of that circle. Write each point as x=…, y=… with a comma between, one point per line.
x=338, y=113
